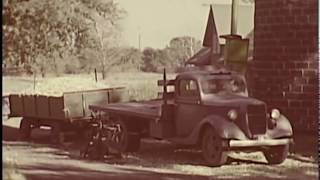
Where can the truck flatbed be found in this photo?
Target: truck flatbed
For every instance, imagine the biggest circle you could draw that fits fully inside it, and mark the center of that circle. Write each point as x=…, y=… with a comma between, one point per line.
x=143, y=109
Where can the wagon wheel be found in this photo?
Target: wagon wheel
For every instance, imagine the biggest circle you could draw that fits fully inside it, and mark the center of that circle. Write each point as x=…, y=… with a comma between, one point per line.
x=277, y=154
x=212, y=148
x=25, y=129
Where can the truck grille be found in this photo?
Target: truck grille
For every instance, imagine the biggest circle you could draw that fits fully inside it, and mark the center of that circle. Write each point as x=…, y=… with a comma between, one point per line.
x=257, y=119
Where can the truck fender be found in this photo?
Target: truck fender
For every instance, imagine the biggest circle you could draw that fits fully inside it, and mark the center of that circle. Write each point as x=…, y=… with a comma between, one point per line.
x=224, y=127
x=283, y=128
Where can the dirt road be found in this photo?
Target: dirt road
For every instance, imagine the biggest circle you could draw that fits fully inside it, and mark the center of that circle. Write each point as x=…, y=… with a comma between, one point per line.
x=156, y=160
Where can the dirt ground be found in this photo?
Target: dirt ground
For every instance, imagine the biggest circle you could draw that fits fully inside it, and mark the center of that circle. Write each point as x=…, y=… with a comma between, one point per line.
x=156, y=160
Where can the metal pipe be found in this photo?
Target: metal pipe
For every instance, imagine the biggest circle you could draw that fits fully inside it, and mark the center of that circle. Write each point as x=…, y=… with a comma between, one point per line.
x=234, y=15
x=164, y=95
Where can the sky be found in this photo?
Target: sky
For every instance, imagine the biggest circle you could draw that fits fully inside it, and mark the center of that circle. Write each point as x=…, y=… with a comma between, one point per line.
x=158, y=21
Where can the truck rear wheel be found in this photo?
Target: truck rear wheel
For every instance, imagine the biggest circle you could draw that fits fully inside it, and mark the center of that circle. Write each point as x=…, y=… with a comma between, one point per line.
x=277, y=154
x=25, y=129
x=212, y=148
x=123, y=140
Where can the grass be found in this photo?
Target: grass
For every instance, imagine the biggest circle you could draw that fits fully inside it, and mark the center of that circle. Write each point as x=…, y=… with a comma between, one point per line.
x=140, y=85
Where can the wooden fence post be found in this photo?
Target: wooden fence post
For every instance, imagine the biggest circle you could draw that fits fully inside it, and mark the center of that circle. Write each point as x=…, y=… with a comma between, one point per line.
x=95, y=74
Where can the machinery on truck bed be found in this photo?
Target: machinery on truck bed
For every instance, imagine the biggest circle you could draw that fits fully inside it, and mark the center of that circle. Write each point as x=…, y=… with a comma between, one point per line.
x=208, y=109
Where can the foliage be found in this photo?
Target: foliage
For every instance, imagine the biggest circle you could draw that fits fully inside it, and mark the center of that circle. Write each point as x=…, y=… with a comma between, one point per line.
x=77, y=36
x=38, y=34
x=172, y=57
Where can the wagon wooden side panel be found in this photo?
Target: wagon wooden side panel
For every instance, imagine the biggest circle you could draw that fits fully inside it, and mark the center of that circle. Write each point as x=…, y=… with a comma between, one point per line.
x=43, y=108
x=57, y=110
x=118, y=95
x=29, y=104
x=68, y=107
x=95, y=98
x=16, y=105
x=74, y=105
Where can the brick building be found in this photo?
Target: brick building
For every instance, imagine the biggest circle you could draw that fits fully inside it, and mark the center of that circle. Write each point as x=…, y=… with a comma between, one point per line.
x=284, y=70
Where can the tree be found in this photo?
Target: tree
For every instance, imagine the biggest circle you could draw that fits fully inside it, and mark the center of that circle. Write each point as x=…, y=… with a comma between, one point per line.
x=148, y=59
x=182, y=48
x=40, y=33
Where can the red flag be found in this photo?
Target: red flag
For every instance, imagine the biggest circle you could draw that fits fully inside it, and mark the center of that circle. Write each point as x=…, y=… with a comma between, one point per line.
x=211, y=38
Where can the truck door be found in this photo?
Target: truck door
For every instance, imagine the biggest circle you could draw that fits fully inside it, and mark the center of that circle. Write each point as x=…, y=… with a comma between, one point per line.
x=188, y=106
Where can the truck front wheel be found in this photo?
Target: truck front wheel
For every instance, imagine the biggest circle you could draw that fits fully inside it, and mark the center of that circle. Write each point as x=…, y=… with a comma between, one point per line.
x=25, y=129
x=212, y=148
x=277, y=154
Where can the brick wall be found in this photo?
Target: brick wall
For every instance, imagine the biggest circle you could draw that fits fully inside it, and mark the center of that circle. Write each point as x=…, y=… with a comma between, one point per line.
x=284, y=71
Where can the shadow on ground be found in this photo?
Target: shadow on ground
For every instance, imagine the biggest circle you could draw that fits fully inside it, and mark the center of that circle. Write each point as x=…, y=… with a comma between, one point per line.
x=155, y=160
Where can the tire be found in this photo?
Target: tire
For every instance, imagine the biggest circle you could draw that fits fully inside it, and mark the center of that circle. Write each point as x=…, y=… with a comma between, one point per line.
x=25, y=129
x=212, y=148
x=124, y=140
x=277, y=154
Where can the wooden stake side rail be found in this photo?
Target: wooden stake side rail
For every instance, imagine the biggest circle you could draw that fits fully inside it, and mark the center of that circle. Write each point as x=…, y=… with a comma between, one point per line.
x=69, y=106
x=147, y=110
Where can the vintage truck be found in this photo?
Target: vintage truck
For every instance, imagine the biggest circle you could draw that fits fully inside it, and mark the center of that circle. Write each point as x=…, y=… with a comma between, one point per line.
x=210, y=109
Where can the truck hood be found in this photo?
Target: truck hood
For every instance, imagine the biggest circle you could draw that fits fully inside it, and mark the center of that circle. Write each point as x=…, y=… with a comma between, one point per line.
x=230, y=99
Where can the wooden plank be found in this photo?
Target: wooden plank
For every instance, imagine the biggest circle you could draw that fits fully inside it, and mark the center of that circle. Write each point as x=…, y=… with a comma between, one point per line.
x=169, y=82
x=99, y=98
x=118, y=95
x=94, y=90
x=56, y=105
x=29, y=103
x=42, y=106
x=73, y=103
x=143, y=110
x=16, y=105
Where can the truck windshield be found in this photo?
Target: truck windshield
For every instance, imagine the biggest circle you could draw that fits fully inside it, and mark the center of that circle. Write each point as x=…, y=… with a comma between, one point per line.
x=234, y=85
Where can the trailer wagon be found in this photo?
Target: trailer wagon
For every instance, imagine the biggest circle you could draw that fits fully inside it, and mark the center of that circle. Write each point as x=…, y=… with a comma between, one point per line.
x=65, y=113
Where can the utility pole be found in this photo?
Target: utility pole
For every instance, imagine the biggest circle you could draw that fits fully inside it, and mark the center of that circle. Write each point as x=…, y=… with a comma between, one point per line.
x=234, y=15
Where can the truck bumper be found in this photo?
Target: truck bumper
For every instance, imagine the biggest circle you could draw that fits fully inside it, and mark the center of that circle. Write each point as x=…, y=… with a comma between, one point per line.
x=260, y=142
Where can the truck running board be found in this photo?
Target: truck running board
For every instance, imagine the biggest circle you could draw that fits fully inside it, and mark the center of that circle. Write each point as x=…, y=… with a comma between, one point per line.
x=265, y=142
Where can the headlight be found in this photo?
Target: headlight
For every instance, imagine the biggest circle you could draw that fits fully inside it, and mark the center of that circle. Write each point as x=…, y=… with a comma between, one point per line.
x=232, y=114
x=275, y=114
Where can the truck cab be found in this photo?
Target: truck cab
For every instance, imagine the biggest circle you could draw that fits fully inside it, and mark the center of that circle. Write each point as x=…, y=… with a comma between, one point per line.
x=212, y=109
